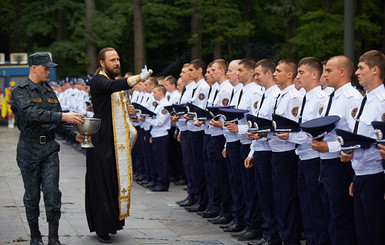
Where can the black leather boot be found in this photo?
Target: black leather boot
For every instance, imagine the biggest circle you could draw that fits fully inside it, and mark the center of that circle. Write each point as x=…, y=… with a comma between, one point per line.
x=35, y=234
x=53, y=237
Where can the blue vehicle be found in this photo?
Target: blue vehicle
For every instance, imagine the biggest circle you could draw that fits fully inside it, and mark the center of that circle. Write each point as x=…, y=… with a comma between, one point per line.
x=9, y=71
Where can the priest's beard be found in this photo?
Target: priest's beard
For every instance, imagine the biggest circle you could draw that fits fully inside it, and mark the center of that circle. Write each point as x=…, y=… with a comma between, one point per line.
x=112, y=71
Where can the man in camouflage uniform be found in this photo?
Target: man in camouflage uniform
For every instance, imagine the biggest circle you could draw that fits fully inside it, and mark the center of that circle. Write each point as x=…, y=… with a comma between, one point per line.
x=39, y=116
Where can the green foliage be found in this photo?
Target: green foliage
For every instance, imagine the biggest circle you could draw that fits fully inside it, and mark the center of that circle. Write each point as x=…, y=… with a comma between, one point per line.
x=319, y=34
x=274, y=29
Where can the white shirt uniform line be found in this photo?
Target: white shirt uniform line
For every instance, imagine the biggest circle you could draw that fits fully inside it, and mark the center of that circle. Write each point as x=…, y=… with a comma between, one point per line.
x=368, y=161
x=161, y=123
x=345, y=104
x=222, y=99
x=230, y=136
x=187, y=96
x=288, y=105
x=265, y=111
x=251, y=92
x=316, y=103
x=199, y=99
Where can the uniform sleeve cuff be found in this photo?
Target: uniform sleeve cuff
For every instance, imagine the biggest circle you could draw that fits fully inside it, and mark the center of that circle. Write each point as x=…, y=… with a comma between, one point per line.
x=132, y=81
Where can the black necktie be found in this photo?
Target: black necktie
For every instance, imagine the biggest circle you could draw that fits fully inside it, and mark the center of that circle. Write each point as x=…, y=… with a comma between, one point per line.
x=168, y=97
x=209, y=97
x=194, y=92
x=232, y=95
x=260, y=104
x=359, y=114
x=215, y=95
x=276, y=102
x=184, y=90
x=302, y=109
x=329, y=104
x=240, y=97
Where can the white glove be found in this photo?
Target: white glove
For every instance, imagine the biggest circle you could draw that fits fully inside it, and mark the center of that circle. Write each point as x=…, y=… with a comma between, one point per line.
x=145, y=73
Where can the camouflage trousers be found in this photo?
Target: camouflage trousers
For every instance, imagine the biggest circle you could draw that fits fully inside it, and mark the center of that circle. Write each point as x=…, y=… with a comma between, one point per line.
x=39, y=165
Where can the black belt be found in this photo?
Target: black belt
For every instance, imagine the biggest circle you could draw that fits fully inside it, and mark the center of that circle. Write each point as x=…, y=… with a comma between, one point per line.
x=42, y=139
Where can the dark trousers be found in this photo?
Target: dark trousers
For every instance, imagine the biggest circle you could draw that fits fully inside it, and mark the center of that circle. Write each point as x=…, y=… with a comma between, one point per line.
x=284, y=172
x=187, y=162
x=209, y=169
x=160, y=149
x=264, y=185
x=136, y=153
x=310, y=198
x=175, y=164
x=143, y=153
x=220, y=176
x=233, y=155
x=39, y=166
x=369, y=208
x=149, y=154
x=336, y=177
x=195, y=140
x=253, y=218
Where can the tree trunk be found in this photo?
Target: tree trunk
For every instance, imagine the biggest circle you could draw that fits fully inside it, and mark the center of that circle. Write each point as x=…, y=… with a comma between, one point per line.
x=358, y=33
x=14, y=41
x=383, y=29
x=139, y=42
x=328, y=4
x=91, y=46
x=246, y=13
x=196, y=34
x=290, y=32
x=60, y=36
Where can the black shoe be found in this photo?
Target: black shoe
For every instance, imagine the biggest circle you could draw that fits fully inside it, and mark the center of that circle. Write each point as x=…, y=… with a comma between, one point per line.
x=195, y=208
x=113, y=233
x=180, y=182
x=263, y=242
x=104, y=238
x=181, y=201
x=227, y=225
x=158, y=188
x=143, y=182
x=220, y=220
x=187, y=203
x=234, y=228
x=150, y=184
x=185, y=188
x=53, y=241
x=206, y=214
x=236, y=234
x=248, y=236
x=36, y=241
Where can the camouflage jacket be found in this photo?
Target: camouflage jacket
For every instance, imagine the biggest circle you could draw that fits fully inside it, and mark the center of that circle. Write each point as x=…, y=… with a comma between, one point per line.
x=38, y=110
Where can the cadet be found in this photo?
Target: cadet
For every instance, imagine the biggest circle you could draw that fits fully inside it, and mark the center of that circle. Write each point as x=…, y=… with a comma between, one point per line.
x=284, y=160
x=368, y=181
x=38, y=116
x=177, y=174
x=309, y=191
x=147, y=153
x=183, y=135
x=260, y=154
x=219, y=170
x=195, y=137
x=159, y=135
x=213, y=204
x=249, y=98
x=335, y=176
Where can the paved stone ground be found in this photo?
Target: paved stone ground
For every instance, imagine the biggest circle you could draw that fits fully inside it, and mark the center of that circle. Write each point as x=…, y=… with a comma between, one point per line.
x=155, y=218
